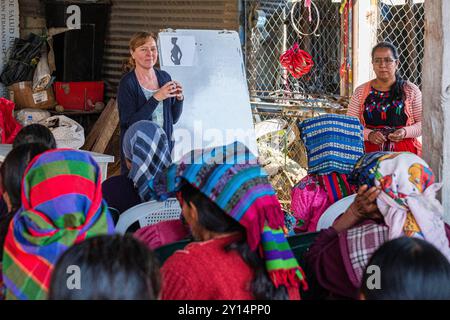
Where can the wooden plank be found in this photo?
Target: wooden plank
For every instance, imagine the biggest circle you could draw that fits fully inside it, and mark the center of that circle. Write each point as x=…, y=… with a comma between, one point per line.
x=99, y=125
x=436, y=95
x=107, y=129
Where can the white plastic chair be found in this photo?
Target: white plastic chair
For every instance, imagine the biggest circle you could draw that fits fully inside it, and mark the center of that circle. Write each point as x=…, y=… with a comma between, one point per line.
x=334, y=211
x=149, y=213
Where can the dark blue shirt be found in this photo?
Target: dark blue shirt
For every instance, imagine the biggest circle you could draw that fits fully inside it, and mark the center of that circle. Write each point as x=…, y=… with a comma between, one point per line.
x=133, y=107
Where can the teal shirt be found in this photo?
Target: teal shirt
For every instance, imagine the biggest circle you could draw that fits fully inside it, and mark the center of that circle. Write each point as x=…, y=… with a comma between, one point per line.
x=158, y=114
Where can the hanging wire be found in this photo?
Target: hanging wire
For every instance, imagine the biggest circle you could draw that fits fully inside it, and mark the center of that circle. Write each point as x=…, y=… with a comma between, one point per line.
x=294, y=24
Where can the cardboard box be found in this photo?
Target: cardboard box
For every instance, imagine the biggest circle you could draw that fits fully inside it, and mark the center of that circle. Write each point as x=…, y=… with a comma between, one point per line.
x=23, y=96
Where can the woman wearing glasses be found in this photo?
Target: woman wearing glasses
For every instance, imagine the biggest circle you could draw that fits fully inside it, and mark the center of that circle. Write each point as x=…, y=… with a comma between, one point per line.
x=389, y=107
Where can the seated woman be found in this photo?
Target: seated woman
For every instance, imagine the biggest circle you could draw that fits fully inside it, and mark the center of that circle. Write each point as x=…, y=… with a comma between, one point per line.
x=397, y=198
x=333, y=144
x=11, y=173
x=146, y=150
x=112, y=267
x=411, y=269
x=61, y=205
x=233, y=212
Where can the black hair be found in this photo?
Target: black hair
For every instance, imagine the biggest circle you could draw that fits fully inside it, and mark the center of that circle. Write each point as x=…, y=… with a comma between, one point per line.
x=111, y=267
x=214, y=219
x=397, y=88
x=35, y=133
x=410, y=269
x=11, y=173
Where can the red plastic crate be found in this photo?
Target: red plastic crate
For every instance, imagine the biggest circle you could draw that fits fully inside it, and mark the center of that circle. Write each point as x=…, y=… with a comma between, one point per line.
x=79, y=95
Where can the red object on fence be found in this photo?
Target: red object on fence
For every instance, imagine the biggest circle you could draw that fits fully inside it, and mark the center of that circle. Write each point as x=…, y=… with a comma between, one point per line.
x=298, y=62
x=9, y=127
x=79, y=95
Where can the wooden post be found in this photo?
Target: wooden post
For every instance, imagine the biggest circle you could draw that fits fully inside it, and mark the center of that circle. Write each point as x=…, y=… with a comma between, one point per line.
x=364, y=39
x=436, y=95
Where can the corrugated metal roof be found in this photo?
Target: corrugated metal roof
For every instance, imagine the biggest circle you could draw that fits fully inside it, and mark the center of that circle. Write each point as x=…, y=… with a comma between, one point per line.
x=130, y=16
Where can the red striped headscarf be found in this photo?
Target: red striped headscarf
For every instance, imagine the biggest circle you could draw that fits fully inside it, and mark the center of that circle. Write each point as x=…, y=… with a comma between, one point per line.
x=62, y=205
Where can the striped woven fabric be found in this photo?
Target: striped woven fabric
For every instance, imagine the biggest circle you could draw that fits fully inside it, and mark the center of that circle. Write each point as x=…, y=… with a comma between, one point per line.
x=231, y=178
x=365, y=169
x=333, y=142
x=61, y=205
x=336, y=186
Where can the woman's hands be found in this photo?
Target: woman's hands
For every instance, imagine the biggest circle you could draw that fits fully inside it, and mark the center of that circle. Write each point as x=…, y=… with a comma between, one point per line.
x=179, y=93
x=169, y=90
x=397, y=135
x=364, y=207
x=376, y=137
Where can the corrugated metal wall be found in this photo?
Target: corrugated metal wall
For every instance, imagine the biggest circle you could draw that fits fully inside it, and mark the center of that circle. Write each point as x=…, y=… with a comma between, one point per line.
x=130, y=16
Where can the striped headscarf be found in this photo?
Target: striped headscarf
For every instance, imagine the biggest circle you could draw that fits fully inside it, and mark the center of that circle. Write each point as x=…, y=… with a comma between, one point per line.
x=365, y=168
x=62, y=205
x=231, y=178
x=146, y=145
x=333, y=142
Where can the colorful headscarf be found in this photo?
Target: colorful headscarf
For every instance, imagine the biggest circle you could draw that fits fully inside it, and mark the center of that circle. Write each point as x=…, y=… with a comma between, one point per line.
x=364, y=170
x=407, y=202
x=333, y=142
x=231, y=178
x=146, y=145
x=62, y=205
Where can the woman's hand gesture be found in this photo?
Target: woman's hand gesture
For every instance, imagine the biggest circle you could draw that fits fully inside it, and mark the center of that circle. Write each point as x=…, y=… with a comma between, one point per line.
x=376, y=137
x=364, y=207
x=179, y=92
x=168, y=90
x=397, y=135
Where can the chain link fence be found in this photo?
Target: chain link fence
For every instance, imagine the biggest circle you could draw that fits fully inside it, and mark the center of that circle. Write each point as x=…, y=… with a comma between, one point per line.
x=402, y=22
x=270, y=31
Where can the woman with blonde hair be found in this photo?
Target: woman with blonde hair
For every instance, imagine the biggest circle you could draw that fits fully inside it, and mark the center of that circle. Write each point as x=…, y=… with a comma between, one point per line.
x=147, y=93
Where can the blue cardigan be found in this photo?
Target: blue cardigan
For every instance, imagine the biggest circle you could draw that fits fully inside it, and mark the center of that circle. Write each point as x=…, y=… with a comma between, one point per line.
x=133, y=107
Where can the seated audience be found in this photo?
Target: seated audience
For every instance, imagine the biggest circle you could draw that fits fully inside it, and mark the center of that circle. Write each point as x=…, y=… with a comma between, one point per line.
x=61, y=205
x=333, y=144
x=397, y=198
x=146, y=150
x=235, y=216
x=112, y=267
x=35, y=133
x=409, y=269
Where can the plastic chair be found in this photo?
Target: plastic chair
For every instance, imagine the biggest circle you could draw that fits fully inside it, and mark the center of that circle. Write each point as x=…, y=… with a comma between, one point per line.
x=334, y=211
x=149, y=213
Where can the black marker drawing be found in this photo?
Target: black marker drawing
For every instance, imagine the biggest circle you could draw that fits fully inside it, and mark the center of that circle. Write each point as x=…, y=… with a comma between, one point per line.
x=176, y=53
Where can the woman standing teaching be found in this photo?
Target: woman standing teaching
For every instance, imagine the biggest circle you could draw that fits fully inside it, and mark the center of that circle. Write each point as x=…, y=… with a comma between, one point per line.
x=388, y=107
x=147, y=93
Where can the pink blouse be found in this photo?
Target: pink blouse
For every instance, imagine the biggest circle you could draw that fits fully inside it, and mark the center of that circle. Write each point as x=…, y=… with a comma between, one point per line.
x=309, y=202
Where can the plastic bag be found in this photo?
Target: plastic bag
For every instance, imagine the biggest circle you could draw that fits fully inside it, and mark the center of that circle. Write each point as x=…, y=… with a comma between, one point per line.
x=42, y=76
x=9, y=127
x=67, y=132
x=36, y=115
